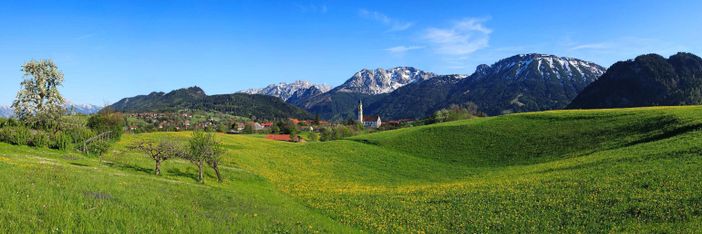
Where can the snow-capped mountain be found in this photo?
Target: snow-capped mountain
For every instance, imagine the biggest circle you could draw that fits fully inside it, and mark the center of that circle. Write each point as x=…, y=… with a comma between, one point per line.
x=6, y=112
x=526, y=82
x=530, y=82
x=541, y=66
x=85, y=109
x=380, y=81
x=286, y=90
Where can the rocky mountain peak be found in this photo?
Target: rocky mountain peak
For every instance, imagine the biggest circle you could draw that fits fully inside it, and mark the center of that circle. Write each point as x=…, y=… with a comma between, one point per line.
x=285, y=90
x=382, y=80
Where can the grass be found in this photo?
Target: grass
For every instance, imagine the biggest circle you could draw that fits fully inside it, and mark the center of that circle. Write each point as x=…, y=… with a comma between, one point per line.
x=620, y=170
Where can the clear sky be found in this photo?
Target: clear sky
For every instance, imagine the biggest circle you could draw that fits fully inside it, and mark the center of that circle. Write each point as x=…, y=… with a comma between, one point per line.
x=114, y=49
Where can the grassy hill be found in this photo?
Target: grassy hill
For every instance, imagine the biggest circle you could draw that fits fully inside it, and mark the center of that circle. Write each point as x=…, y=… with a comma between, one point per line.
x=634, y=170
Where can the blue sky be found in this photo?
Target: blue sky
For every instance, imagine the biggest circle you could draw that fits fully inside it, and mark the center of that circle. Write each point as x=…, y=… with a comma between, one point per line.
x=114, y=49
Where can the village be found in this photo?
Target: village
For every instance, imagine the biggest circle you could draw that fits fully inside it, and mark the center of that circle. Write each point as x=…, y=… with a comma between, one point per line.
x=290, y=129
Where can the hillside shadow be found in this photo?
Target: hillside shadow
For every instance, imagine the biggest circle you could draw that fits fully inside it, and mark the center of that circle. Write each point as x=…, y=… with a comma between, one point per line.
x=179, y=173
x=128, y=167
x=667, y=134
x=79, y=164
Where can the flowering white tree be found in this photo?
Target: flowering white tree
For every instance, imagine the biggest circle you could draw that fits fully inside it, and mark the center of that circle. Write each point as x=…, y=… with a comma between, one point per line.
x=39, y=103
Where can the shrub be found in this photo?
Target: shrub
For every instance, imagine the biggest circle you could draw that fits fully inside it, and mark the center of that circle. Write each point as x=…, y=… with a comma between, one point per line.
x=326, y=134
x=107, y=120
x=313, y=136
x=61, y=141
x=16, y=135
x=97, y=147
x=40, y=139
x=78, y=134
x=341, y=132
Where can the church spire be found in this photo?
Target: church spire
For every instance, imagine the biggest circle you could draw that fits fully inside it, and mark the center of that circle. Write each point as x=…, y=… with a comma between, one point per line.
x=360, y=111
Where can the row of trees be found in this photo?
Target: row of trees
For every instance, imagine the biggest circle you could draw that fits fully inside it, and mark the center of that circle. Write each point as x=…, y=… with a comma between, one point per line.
x=202, y=150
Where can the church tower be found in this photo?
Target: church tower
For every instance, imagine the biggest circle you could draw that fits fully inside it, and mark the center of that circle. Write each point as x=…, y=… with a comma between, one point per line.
x=360, y=111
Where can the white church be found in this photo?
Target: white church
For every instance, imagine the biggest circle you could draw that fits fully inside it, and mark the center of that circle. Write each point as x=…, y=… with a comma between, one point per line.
x=369, y=121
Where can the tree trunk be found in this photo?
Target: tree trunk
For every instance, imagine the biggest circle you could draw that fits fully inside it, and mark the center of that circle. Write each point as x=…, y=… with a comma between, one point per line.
x=158, y=167
x=216, y=169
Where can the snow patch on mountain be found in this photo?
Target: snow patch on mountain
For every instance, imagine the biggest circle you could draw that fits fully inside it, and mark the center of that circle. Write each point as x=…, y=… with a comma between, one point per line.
x=71, y=108
x=285, y=90
x=6, y=112
x=380, y=80
x=543, y=65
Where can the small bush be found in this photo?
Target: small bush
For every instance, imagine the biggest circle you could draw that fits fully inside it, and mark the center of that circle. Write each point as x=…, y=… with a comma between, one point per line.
x=16, y=135
x=79, y=134
x=40, y=139
x=98, y=147
x=107, y=120
x=313, y=136
x=62, y=141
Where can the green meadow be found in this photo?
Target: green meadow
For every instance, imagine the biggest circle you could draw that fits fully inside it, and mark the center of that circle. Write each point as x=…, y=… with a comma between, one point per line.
x=620, y=170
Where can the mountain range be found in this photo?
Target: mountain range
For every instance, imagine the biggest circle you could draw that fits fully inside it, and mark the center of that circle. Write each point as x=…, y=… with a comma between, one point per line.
x=6, y=111
x=520, y=83
x=380, y=81
x=194, y=98
x=647, y=80
x=528, y=82
x=285, y=91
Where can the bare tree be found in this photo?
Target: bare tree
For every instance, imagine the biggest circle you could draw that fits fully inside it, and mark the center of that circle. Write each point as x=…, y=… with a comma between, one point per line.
x=159, y=152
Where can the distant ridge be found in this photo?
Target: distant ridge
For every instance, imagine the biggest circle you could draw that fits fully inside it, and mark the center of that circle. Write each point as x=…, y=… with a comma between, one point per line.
x=287, y=90
x=86, y=109
x=647, y=80
x=194, y=98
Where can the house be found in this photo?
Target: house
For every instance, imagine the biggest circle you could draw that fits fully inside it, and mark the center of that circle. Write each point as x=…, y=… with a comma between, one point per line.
x=267, y=124
x=240, y=126
x=257, y=126
x=295, y=121
x=370, y=121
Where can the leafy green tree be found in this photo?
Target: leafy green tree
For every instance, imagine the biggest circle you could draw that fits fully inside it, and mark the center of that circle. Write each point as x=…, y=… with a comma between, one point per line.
x=205, y=149
x=39, y=103
x=107, y=120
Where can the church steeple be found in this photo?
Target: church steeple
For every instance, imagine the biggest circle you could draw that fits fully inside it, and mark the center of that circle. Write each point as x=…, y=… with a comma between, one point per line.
x=360, y=111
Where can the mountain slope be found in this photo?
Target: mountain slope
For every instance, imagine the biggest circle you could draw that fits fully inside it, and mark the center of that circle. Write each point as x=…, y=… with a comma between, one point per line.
x=86, y=109
x=194, y=98
x=416, y=100
x=287, y=90
x=381, y=81
x=521, y=83
x=531, y=82
x=366, y=85
x=6, y=112
x=648, y=80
